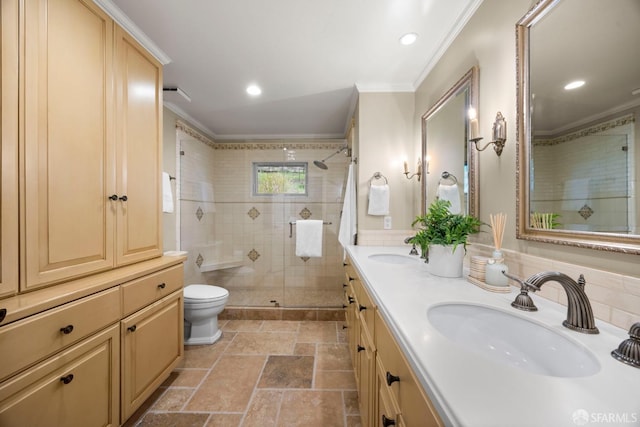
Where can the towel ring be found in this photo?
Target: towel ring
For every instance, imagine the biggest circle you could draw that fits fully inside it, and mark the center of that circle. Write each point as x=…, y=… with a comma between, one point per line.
x=446, y=175
x=378, y=175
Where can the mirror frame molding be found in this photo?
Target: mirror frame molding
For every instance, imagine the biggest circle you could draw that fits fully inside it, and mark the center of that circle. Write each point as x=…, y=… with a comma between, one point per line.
x=612, y=242
x=470, y=80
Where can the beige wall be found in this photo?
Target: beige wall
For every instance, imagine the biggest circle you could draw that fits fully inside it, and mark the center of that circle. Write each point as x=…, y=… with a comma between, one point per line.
x=384, y=143
x=488, y=41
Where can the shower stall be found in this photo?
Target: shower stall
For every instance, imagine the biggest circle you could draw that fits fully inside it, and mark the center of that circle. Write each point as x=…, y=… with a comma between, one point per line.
x=238, y=204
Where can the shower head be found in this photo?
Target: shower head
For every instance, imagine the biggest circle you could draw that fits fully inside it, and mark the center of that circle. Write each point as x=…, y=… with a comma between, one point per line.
x=321, y=163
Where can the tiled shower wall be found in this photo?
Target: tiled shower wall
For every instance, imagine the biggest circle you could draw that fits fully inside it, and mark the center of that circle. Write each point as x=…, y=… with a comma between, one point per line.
x=244, y=240
x=570, y=179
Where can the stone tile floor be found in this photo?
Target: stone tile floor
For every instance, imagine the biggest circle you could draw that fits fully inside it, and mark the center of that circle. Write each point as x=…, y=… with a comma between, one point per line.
x=260, y=373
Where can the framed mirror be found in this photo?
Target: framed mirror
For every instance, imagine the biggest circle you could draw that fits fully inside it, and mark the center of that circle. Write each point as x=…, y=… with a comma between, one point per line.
x=446, y=147
x=578, y=131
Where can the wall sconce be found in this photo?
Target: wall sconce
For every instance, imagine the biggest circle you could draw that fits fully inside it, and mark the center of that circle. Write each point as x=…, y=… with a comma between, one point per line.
x=410, y=175
x=499, y=132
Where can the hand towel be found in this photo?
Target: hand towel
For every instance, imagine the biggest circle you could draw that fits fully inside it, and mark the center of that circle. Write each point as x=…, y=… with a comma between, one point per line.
x=378, y=200
x=309, y=238
x=348, y=221
x=167, y=195
x=452, y=194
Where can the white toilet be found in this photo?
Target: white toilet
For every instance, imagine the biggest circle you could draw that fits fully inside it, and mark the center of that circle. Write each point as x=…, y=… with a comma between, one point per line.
x=202, y=304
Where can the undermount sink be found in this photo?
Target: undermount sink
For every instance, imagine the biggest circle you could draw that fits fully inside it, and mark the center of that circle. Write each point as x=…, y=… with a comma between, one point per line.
x=394, y=258
x=512, y=340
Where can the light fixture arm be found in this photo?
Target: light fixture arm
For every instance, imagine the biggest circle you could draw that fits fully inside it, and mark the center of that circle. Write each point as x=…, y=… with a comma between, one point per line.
x=499, y=136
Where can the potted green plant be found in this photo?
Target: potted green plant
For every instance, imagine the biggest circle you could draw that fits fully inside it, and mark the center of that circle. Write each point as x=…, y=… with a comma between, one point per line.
x=441, y=234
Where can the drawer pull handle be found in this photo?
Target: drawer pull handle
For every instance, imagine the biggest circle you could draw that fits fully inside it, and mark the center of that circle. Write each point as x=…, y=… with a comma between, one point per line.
x=67, y=329
x=360, y=348
x=344, y=285
x=113, y=197
x=386, y=422
x=3, y=313
x=344, y=326
x=351, y=278
x=123, y=198
x=391, y=378
x=132, y=328
x=67, y=379
x=344, y=306
x=162, y=285
x=351, y=300
x=362, y=307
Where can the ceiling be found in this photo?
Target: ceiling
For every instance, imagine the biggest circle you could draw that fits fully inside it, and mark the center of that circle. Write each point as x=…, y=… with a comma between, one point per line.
x=311, y=58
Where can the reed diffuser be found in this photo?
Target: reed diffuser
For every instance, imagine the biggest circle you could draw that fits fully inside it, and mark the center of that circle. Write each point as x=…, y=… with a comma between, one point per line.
x=495, y=265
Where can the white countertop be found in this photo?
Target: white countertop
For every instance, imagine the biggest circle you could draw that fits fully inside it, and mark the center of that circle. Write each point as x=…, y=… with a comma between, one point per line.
x=470, y=390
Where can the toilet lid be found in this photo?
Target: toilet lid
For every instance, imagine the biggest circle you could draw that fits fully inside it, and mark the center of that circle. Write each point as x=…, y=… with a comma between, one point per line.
x=205, y=292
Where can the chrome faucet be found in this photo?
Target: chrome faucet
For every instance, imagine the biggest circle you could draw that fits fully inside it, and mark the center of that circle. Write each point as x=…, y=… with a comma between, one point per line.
x=579, y=312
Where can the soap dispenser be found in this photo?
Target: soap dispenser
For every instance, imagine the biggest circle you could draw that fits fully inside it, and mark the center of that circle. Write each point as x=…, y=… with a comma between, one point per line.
x=493, y=271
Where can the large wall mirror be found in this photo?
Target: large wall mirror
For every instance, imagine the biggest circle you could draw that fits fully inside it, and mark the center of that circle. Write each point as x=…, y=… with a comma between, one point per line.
x=578, y=129
x=446, y=147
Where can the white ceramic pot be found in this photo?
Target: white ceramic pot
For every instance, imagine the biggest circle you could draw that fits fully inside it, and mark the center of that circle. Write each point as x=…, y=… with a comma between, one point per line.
x=444, y=261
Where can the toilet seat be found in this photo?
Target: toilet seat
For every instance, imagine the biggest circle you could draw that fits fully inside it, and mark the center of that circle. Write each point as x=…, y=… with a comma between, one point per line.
x=204, y=293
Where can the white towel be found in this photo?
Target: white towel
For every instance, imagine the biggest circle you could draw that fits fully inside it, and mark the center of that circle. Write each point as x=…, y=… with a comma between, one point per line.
x=348, y=221
x=309, y=238
x=452, y=194
x=167, y=195
x=378, y=200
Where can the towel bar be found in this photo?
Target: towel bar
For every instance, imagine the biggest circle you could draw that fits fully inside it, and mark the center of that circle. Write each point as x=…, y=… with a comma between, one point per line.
x=446, y=175
x=292, y=223
x=378, y=175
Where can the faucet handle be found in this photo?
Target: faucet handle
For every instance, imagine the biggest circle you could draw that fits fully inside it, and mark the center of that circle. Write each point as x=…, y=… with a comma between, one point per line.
x=524, y=285
x=629, y=350
x=523, y=301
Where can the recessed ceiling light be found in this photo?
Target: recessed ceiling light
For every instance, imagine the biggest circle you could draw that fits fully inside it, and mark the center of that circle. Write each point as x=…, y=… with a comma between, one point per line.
x=254, y=90
x=574, y=85
x=408, y=39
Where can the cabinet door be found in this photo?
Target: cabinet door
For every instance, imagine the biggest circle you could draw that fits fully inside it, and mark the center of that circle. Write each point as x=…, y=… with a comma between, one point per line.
x=68, y=141
x=366, y=367
x=139, y=100
x=152, y=345
x=76, y=388
x=9, y=128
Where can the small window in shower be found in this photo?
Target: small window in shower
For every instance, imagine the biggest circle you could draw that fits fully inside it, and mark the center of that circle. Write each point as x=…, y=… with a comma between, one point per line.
x=271, y=178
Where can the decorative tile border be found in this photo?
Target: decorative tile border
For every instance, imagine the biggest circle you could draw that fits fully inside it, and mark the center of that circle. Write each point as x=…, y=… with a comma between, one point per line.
x=280, y=313
x=253, y=255
x=305, y=213
x=611, y=124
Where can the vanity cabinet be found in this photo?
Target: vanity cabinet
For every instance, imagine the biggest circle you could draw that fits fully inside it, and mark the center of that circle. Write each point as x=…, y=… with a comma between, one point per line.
x=152, y=336
x=360, y=313
x=9, y=154
x=91, y=136
x=396, y=379
x=388, y=390
x=63, y=361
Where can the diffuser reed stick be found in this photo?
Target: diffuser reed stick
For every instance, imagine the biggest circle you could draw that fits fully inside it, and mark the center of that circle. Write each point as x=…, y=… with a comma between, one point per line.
x=498, y=223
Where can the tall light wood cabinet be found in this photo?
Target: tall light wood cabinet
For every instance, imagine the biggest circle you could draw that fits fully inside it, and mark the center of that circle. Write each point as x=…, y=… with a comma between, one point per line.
x=92, y=144
x=9, y=133
x=68, y=141
x=139, y=151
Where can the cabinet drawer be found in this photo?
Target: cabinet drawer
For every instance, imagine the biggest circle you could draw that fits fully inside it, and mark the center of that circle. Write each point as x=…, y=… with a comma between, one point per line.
x=78, y=387
x=415, y=406
x=30, y=340
x=141, y=292
x=365, y=306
